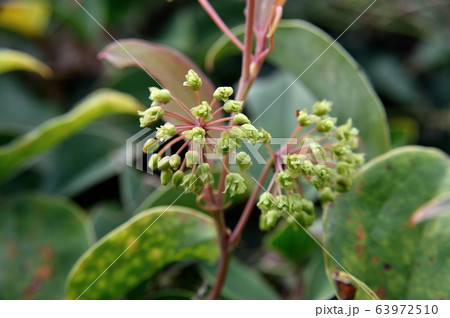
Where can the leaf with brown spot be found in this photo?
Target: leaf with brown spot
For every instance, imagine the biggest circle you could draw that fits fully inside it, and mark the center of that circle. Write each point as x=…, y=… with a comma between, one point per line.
x=395, y=258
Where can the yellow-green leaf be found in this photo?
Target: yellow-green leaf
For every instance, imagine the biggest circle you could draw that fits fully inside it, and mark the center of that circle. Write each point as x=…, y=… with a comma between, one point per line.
x=28, y=17
x=11, y=60
x=139, y=248
x=55, y=130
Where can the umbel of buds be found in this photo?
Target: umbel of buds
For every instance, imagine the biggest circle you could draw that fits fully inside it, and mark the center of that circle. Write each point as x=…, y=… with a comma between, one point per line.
x=323, y=156
x=190, y=167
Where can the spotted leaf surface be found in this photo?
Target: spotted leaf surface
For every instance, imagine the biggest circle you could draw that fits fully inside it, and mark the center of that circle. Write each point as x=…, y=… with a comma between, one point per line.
x=41, y=238
x=148, y=241
x=370, y=233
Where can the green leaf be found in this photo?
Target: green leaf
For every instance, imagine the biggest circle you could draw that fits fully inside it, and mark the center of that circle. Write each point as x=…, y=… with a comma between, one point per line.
x=165, y=64
x=242, y=282
x=11, y=60
x=52, y=132
x=369, y=232
x=40, y=240
x=334, y=76
x=315, y=281
x=145, y=244
x=292, y=242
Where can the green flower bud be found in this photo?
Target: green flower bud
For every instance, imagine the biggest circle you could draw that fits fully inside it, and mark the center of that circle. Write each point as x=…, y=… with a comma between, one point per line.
x=202, y=111
x=234, y=184
x=166, y=177
x=150, y=116
x=263, y=136
x=302, y=218
x=268, y=220
x=294, y=161
x=225, y=144
x=345, y=132
x=192, y=157
x=241, y=119
x=166, y=132
x=159, y=96
x=192, y=184
x=164, y=163
x=343, y=184
x=295, y=203
x=304, y=119
x=266, y=202
x=284, y=178
x=233, y=106
x=251, y=132
x=340, y=149
x=175, y=161
x=193, y=81
x=243, y=160
x=308, y=207
x=223, y=93
x=153, y=161
x=325, y=125
x=197, y=134
x=307, y=167
x=322, y=171
x=177, y=179
x=322, y=176
x=345, y=169
x=282, y=203
x=237, y=134
x=327, y=195
x=204, y=173
x=322, y=108
x=150, y=146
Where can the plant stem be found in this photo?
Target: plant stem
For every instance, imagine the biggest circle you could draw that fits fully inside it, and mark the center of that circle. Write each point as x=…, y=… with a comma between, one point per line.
x=219, y=22
x=245, y=81
x=225, y=254
x=235, y=236
x=179, y=117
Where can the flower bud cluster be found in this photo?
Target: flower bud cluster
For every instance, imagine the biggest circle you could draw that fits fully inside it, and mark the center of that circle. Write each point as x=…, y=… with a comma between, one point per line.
x=190, y=169
x=323, y=156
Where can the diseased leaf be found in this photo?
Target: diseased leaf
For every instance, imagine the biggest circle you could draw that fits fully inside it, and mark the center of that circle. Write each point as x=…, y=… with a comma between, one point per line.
x=11, y=60
x=368, y=230
x=145, y=244
x=52, y=132
x=165, y=64
x=40, y=240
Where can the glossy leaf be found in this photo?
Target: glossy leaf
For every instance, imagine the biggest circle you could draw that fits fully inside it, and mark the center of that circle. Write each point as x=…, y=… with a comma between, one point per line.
x=11, y=60
x=334, y=76
x=40, y=240
x=161, y=236
x=368, y=230
x=52, y=132
x=242, y=282
x=164, y=64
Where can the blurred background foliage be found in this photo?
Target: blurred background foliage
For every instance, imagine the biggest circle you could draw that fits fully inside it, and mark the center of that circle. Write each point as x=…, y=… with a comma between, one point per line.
x=402, y=45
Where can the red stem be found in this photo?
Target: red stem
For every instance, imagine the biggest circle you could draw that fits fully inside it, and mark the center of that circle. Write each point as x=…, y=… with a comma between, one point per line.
x=219, y=22
x=179, y=117
x=235, y=236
